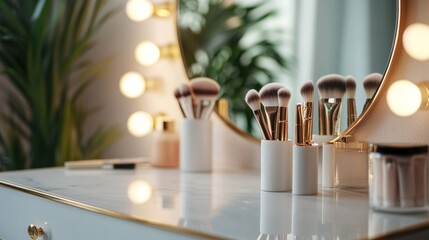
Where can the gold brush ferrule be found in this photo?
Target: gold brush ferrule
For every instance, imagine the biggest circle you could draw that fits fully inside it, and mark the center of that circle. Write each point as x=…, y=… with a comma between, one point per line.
x=308, y=122
x=351, y=111
x=262, y=124
x=282, y=128
x=329, y=116
x=272, y=117
x=299, y=128
x=367, y=103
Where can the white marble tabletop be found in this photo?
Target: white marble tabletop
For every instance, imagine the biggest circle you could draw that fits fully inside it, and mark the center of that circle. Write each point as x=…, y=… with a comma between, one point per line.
x=225, y=204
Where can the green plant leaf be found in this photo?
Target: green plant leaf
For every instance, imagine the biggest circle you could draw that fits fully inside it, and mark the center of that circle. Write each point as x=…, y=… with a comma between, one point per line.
x=43, y=44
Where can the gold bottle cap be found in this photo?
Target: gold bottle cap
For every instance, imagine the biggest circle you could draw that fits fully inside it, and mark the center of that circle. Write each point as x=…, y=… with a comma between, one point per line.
x=165, y=124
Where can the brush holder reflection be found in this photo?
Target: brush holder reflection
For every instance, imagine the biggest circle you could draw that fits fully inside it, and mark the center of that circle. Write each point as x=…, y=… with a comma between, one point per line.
x=196, y=145
x=276, y=166
x=275, y=215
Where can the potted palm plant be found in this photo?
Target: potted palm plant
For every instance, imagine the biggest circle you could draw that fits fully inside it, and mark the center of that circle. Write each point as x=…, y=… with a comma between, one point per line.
x=44, y=72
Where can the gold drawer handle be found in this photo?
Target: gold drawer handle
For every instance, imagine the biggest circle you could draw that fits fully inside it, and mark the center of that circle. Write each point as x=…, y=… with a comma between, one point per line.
x=34, y=232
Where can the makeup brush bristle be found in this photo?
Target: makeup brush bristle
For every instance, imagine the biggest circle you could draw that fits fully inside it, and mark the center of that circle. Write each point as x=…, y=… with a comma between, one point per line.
x=350, y=86
x=253, y=100
x=184, y=90
x=307, y=91
x=204, y=87
x=177, y=93
x=371, y=83
x=283, y=95
x=331, y=86
x=268, y=94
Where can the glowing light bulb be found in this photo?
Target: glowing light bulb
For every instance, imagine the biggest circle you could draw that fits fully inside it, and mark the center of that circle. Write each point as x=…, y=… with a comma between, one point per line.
x=139, y=192
x=415, y=41
x=140, y=124
x=404, y=98
x=132, y=85
x=139, y=10
x=147, y=53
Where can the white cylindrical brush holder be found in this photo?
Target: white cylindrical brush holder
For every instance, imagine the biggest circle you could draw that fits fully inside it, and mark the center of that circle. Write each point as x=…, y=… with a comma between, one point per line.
x=328, y=165
x=276, y=166
x=319, y=140
x=305, y=170
x=196, y=145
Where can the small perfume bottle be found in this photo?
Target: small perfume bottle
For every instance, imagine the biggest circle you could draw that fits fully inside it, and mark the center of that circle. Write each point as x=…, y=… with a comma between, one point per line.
x=165, y=151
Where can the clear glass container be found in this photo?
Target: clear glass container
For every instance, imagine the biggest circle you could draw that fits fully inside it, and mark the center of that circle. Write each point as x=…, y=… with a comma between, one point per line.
x=398, y=177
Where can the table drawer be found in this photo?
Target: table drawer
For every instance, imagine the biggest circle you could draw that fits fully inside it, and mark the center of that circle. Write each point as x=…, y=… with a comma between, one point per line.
x=60, y=221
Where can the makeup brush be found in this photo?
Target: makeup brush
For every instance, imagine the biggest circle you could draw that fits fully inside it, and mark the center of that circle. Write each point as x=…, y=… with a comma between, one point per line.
x=178, y=96
x=370, y=84
x=252, y=99
x=299, y=126
x=283, y=95
x=205, y=91
x=351, y=102
x=331, y=88
x=307, y=94
x=186, y=100
x=268, y=95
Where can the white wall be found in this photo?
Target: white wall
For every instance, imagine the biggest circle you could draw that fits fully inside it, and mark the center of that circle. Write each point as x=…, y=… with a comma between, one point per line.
x=119, y=38
x=382, y=125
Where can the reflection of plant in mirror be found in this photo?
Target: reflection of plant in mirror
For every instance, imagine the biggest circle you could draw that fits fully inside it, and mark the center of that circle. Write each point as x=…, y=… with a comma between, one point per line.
x=42, y=53
x=228, y=43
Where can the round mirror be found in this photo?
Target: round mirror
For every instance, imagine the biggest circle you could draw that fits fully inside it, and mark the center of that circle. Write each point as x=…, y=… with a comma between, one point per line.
x=246, y=44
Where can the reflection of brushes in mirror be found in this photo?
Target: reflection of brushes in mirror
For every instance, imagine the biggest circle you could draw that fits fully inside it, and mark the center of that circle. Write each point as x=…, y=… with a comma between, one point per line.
x=351, y=102
x=205, y=91
x=268, y=95
x=307, y=93
x=178, y=96
x=252, y=99
x=370, y=84
x=331, y=88
x=186, y=100
x=282, y=128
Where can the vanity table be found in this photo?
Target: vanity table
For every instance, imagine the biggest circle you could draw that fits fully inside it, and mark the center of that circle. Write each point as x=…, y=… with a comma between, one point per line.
x=151, y=203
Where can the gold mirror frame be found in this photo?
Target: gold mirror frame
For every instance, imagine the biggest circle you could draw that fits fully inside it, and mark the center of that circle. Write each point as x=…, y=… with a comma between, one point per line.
x=393, y=60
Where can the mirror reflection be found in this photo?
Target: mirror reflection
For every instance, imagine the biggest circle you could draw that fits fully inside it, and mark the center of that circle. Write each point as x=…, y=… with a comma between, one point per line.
x=247, y=44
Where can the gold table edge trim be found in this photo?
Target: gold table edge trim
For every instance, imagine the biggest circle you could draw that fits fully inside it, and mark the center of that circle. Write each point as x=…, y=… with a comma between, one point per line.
x=107, y=212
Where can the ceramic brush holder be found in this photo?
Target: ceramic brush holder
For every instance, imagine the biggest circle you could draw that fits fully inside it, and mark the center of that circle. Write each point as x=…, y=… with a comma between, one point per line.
x=305, y=171
x=196, y=145
x=276, y=166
